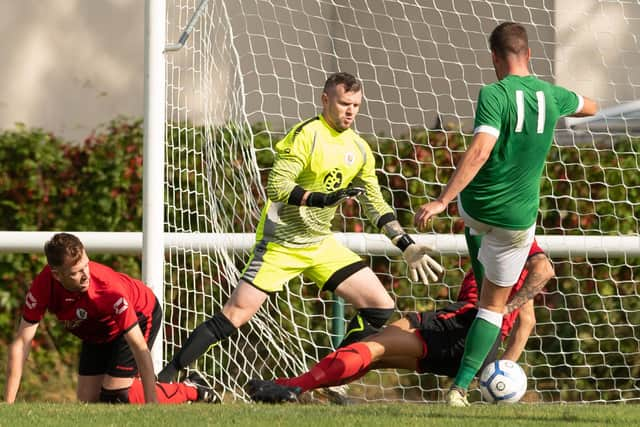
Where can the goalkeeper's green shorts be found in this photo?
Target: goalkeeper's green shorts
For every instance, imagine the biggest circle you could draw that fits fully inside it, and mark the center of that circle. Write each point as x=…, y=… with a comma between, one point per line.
x=272, y=265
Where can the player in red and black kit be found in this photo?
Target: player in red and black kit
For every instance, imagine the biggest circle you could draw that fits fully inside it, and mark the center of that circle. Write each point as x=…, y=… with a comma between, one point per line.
x=116, y=317
x=426, y=342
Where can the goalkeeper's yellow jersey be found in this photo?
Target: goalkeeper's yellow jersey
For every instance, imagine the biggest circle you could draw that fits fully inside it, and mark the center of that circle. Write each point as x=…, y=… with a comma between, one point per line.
x=317, y=158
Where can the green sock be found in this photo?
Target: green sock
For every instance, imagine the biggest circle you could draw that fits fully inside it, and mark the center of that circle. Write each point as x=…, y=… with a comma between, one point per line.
x=473, y=244
x=480, y=339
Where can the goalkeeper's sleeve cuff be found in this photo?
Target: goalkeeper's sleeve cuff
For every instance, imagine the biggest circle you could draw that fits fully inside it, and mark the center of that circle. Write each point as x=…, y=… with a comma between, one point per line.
x=385, y=219
x=295, y=198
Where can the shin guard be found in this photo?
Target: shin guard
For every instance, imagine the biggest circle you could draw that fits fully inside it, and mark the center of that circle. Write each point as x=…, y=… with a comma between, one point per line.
x=366, y=322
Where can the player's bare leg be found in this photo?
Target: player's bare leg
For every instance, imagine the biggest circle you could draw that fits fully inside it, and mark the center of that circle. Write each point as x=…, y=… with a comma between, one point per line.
x=111, y=383
x=493, y=297
x=244, y=302
x=397, y=346
x=367, y=294
x=115, y=389
x=364, y=289
x=103, y=388
x=88, y=389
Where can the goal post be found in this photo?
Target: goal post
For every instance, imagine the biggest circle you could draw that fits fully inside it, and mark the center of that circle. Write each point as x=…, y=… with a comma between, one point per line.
x=242, y=73
x=153, y=155
x=362, y=243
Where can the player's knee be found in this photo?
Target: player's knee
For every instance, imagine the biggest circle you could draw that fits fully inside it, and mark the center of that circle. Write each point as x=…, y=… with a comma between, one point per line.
x=238, y=311
x=120, y=395
x=85, y=397
x=379, y=298
x=370, y=319
x=387, y=303
x=86, y=392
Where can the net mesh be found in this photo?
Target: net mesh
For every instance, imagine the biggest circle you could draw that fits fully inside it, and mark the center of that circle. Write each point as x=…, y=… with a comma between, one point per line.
x=252, y=69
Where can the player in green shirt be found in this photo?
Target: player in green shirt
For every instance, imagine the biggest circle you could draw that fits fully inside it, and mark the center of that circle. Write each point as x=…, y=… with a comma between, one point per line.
x=498, y=183
x=320, y=163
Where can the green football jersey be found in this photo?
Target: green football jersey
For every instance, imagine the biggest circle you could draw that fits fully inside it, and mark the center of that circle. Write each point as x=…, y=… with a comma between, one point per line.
x=317, y=158
x=522, y=113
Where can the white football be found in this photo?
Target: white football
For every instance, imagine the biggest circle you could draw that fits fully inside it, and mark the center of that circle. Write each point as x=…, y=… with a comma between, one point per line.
x=503, y=381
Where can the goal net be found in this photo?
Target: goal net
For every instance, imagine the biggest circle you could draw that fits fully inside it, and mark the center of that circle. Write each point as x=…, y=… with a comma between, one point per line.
x=251, y=69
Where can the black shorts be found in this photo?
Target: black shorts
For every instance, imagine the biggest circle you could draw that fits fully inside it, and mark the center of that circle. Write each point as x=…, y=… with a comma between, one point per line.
x=444, y=333
x=115, y=358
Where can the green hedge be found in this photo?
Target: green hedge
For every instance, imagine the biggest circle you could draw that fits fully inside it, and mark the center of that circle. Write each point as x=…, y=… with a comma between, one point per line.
x=50, y=184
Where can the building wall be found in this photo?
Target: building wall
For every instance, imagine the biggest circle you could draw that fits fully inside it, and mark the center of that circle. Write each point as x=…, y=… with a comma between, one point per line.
x=598, y=49
x=70, y=65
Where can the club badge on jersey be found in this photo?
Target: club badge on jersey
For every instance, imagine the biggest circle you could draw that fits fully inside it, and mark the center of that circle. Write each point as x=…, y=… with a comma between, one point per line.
x=332, y=180
x=349, y=158
x=81, y=316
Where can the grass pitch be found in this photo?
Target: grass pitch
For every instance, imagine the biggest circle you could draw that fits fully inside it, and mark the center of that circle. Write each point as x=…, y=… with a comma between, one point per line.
x=253, y=415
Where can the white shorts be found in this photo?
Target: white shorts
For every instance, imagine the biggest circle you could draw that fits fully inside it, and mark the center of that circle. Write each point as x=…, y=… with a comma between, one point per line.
x=503, y=252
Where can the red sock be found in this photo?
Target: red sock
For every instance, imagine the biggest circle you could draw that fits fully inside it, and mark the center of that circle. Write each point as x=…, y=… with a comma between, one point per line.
x=166, y=392
x=343, y=365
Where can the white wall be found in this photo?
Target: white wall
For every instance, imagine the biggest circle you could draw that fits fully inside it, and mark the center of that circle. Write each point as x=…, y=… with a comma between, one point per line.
x=598, y=49
x=69, y=65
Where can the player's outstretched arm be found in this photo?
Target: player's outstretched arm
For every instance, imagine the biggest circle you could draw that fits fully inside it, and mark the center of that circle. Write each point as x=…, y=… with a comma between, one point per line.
x=18, y=353
x=420, y=265
x=589, y=108
x=519, y=335
x=142, y=355
x=467, y=168
x=540, y=272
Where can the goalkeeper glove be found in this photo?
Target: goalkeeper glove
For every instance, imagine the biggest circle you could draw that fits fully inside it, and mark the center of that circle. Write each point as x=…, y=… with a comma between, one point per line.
x=321, y=200
x=418, y=262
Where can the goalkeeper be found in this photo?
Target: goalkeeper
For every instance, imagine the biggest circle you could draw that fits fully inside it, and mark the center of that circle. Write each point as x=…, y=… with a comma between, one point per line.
x=430, y=342
x=320, y=163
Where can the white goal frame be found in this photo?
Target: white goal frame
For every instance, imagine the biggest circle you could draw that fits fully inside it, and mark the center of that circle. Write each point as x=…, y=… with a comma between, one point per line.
x=154, y=240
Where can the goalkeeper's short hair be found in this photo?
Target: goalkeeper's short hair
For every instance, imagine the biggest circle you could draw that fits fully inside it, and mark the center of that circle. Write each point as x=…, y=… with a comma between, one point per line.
x=350, y=82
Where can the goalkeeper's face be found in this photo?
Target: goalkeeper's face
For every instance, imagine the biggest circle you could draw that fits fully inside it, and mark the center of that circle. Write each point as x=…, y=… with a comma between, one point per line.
x=74, y=276
x=339, y=108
